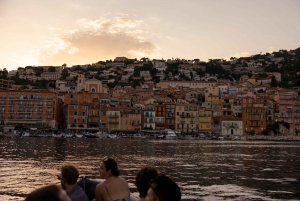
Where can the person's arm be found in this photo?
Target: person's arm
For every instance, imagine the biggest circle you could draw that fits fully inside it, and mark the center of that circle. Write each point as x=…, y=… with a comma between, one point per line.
x=99, y=192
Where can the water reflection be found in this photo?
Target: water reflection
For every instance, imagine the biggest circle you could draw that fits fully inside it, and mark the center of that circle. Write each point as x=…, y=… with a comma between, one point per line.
x=224, y=170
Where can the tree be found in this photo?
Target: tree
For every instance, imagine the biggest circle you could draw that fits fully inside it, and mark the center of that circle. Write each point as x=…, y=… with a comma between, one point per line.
x=51, y=69
x=273, y=82
x=64, y=73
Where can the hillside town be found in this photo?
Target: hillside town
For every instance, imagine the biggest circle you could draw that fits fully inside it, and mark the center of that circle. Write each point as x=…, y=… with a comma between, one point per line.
x=256, y=95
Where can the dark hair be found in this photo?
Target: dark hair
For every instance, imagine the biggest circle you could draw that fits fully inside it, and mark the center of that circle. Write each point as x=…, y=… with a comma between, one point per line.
x=111, y=164
x=142, y=179
x=46, y=193
x=165, y=188
x=69, y=173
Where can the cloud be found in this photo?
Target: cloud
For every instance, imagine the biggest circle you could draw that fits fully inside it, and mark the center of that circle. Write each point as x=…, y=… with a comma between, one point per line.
x=99, y=39
x=271, y=49
x=238, y=55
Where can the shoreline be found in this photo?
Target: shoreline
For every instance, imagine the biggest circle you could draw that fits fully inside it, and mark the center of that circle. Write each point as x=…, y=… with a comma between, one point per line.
x=248, y=137
x=273, y=138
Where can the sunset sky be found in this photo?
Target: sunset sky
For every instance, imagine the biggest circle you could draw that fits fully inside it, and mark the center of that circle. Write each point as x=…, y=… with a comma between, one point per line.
x=53, y=32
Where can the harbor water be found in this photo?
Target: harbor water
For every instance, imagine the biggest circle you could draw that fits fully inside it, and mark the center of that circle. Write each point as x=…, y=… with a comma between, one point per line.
x=204, y=169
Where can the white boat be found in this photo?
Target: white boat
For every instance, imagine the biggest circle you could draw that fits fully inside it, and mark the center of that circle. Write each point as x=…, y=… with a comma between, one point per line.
x=69, y=135
x=111, y=136
x=78, y=135
x=169, y=134
x=138, y=135
x=25, y=134
x=57, y=135
x=220, y=138
x=91, y=135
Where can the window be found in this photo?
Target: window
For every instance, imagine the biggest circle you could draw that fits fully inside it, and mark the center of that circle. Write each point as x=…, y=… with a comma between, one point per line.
x=75, y=113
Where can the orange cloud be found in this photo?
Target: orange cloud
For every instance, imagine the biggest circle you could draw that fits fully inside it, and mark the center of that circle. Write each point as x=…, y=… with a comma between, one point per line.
x=98, y=40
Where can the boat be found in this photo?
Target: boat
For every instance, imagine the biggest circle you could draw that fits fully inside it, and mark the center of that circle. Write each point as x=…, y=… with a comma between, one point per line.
x=25, y=134
x=78, y=135
x=57, y=135
x=160, y=136
x=169, y=134
x=91, y=135
x=220, y=138
x=236, y=138
x=69, y=135
x=138, y=135
x=243, y=138
x=111, y=136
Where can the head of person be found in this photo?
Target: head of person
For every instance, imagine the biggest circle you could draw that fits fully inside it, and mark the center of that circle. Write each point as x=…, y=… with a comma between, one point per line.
x=69, y=175
x=142, y=179
x=48, y=193
x=108, y=167
x=162, y=188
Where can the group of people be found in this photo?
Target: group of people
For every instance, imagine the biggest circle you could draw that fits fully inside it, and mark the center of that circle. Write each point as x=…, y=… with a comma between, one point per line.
x=151, y=186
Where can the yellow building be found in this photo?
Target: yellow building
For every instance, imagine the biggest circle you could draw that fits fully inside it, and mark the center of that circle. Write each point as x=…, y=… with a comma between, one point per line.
x=186, y=117
x=204, y=120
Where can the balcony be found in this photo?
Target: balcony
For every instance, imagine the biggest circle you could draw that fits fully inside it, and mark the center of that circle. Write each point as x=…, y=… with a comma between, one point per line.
x=113, y=115
x=192, y=122
x=283, y=97
x=113, y=121
x=282, y=102
x=182, y=121
x=94, y=115
x=187, y=116
x=136, y=124
x=149, y=128
x=170, y=116
x=149, y=115
x=231, y=126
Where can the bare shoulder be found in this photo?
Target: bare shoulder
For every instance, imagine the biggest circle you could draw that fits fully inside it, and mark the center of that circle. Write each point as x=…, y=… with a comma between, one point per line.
x=124, y=181
x=99, y=186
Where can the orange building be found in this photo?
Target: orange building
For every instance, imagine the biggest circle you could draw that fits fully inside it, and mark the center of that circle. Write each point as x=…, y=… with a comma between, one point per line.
x=76, y=109
x=254, y=119
x=28, y=109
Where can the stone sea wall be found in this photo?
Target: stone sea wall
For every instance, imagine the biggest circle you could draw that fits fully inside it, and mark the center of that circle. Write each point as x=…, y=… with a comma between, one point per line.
x=274, y=138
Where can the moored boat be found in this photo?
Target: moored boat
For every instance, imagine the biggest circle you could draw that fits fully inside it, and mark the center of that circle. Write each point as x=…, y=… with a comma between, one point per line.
x=57, y=135
x=78, y=135
x=91, y=135
x=169, y=134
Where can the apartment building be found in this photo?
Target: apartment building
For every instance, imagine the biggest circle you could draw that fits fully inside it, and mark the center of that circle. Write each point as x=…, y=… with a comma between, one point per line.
x=148, y=119
x=186, y=117
x=254, y=119
x=76, y=107
x=232, y=126
x=28, y=109
x=113, y=119
x=130, y=119
x=160, y=114
x=204, y=120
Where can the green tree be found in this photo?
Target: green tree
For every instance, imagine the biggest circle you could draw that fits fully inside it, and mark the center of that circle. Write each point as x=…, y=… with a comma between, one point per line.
x=51, y=69
x=273, y=82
